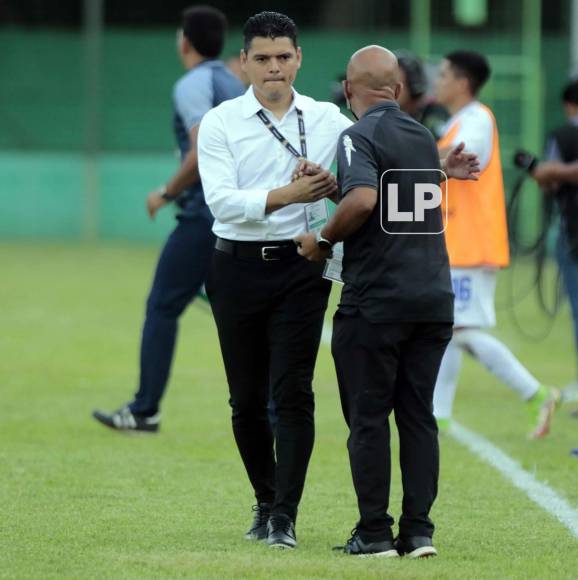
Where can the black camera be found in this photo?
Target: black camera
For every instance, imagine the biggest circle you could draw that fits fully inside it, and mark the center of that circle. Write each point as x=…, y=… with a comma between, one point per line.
x=525, y=160
x=337, y=94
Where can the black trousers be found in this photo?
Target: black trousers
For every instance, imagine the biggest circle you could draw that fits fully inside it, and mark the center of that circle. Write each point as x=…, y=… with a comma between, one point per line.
x=269, y=317
x=380, y=368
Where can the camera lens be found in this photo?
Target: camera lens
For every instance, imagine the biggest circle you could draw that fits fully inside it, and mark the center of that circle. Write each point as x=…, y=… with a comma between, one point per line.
x=525, y=160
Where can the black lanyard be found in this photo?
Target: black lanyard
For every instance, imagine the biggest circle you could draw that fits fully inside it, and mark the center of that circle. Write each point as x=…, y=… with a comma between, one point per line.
x=279, y=136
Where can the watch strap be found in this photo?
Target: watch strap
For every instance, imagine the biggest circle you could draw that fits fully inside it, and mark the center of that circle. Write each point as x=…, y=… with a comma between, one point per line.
x=165, y=195
x=321, y=241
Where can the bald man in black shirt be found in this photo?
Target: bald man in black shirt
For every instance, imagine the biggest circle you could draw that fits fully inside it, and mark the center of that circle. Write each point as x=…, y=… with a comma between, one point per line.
x=396, y=311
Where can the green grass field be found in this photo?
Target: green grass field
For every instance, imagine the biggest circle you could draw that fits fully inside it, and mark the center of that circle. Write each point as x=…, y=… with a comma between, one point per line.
x=79, y=501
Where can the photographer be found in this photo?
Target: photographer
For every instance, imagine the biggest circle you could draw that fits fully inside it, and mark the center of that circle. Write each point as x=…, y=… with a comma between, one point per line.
x=559, y=176
x=414, y=99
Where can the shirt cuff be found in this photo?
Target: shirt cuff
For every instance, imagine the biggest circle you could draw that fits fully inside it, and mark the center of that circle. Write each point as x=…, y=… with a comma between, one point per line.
x=256, y=205
x=345, y=190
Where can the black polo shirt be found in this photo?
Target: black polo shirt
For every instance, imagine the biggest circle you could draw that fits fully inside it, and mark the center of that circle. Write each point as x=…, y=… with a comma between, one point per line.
x=394, y=271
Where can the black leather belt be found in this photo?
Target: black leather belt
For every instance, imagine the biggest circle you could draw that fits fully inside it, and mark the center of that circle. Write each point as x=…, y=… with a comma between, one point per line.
x=267, y=251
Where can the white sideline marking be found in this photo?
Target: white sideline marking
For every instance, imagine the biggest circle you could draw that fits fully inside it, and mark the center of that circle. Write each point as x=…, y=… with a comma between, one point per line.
x=326, y=335
x=540, y=493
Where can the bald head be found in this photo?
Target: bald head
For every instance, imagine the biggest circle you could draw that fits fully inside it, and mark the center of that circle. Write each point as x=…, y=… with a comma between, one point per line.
x=374, y=69
x=372, y=77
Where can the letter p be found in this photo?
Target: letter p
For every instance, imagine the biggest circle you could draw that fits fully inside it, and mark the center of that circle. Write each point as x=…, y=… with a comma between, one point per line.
x=421, y=203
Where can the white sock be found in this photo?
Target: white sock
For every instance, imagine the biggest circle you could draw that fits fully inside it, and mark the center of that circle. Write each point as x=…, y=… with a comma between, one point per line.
x=445, y=389
x=498, y=359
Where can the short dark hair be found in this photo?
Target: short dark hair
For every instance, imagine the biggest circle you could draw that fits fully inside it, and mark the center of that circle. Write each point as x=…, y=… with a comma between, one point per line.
x=472, y=65
x=570, y=92
x=269, y=25
x=205, y=28
x=414, y=71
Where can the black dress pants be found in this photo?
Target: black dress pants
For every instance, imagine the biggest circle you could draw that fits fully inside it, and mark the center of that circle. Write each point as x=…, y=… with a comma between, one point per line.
x=269, y=317
x=380, y=368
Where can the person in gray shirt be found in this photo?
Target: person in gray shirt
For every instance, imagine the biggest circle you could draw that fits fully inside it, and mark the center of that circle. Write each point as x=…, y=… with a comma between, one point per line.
x=184, y=261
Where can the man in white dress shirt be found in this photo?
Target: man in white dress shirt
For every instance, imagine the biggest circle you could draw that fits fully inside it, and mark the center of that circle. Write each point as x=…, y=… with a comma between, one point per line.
x=267, y=300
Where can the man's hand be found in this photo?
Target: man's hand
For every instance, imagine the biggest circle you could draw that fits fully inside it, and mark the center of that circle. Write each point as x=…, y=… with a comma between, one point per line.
x=305, y=167
x=547, y=174
x=460, y=164
x=311, y=188
x=154, y=202
x=308, y=248
x=306, y=189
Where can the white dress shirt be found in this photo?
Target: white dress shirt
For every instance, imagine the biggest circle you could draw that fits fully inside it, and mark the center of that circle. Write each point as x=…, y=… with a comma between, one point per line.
x=240, y=161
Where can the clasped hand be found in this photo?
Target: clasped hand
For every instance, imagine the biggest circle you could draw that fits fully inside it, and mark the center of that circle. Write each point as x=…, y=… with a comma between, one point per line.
x=310, y=182
x=307, y=171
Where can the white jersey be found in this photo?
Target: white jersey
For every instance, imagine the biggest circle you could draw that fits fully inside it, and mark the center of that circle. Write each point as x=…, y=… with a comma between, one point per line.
x=474, y=290
x=475, y=129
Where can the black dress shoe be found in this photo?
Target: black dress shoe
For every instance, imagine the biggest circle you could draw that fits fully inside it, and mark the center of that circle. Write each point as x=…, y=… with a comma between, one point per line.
x=415, y=547
x=281, y=532
x=258, y=529
x=355, y=546
x=125, y=420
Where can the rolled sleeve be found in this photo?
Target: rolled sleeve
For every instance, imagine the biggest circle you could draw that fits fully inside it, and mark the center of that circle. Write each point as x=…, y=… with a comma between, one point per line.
x=256, y=205
x=228, y=203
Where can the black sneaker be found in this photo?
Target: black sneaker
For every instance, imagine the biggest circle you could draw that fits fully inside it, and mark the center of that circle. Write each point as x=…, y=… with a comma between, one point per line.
x=355, y=546
x=415, y=547
x=124, y=420
x=258, y=529
x=281, y=532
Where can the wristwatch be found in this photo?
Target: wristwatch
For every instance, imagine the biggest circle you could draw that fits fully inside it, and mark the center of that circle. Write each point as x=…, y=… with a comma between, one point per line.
x=323, y=243
x=165, y=195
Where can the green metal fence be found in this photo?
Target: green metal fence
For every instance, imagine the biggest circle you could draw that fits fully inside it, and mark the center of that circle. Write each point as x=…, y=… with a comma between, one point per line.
x=77, y=158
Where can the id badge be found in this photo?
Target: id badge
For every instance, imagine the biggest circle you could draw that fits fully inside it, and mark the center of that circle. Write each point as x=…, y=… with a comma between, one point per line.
x=316, y=216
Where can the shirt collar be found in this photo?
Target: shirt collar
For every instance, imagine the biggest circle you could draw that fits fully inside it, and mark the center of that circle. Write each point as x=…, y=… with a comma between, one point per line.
x=382, y=105
x=251, y=105
x=211, y=62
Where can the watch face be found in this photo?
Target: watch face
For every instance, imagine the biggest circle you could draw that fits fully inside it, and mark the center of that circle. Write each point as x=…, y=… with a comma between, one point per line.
x=324, y=244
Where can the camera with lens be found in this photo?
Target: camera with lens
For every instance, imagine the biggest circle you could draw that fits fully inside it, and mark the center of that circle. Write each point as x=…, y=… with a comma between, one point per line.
x=525, y=160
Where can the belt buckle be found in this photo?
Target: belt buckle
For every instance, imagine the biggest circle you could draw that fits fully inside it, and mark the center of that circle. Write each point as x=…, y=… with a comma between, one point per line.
x=264, y=253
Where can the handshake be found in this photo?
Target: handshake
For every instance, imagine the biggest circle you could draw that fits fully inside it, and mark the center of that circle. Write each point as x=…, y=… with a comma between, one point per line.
x=310, y=183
